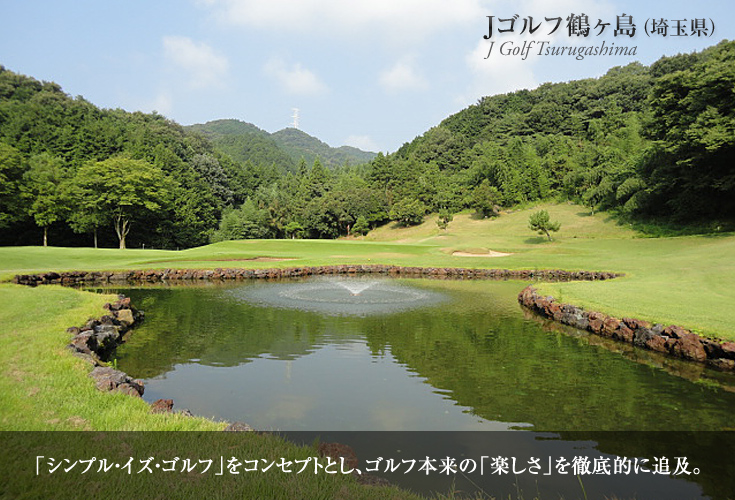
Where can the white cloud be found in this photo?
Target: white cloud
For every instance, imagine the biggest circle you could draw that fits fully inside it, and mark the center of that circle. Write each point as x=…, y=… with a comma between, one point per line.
x=205, y=67
x=595, y=10
x=162, y=103
x=497, y=74
x=413, y=18
x=402, y=76
x=294, y=79
x=364, y=142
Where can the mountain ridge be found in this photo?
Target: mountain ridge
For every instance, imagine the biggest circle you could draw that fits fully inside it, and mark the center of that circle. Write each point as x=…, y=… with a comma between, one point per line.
x=245, y=141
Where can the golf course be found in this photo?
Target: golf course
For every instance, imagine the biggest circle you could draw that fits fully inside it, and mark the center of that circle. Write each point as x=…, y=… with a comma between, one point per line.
x=682, y=281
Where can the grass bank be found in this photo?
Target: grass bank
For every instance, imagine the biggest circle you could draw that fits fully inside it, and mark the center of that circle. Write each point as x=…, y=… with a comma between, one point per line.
x=43, y=387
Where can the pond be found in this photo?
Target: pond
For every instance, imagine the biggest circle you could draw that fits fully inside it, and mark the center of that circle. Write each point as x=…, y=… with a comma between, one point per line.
x=371, y=354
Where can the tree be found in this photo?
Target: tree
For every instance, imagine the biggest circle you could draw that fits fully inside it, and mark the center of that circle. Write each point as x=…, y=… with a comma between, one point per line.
x=444, y=219
x=690, y=169
x=541, y=223
x=293, y=230
x=361, y=226
x=408, y=212
x=44, y=187
x=10, y=178
x=125, y=190
x=212, y=172
x=485, y=199
x=246, y=222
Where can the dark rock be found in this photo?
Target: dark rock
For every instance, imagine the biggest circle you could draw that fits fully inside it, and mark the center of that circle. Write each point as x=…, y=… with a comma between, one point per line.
x=185, y=412
x=657, y=343
x=636, y=324
x=675, y=332
x=107, y=337
x=162, y=406
x=84, y=342
x=641, y=336
x=624, y=334
x=596, y=320
x=689, y=347
x=73, y=330
x=109, y=379
x=107, y=320
x=581, y=322
x=610, y=326
x=728, y=350
x=89, y=325
x=129, y=389
x=713, y=349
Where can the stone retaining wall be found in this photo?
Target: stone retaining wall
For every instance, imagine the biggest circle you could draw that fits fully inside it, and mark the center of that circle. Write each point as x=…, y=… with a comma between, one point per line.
x=97, y=340
x=93, y=277
x=672, y=340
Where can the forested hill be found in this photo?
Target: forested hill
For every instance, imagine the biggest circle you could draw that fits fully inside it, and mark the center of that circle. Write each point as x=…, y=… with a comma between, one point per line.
x=645, y=141
x=65, y=166
x=246, y=142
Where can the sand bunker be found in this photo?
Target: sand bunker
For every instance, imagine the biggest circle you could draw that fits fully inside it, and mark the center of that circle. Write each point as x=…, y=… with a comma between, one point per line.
x=489, y=253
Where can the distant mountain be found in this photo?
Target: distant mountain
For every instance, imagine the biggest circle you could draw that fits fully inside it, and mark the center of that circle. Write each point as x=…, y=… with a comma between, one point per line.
x=245, y=142
x=299, y=144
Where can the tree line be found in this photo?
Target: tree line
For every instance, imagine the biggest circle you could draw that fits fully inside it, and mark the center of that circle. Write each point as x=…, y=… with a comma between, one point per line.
x=642, y=141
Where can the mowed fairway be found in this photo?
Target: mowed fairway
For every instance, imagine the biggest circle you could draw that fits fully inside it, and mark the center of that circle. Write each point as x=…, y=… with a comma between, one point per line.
x=683, y=280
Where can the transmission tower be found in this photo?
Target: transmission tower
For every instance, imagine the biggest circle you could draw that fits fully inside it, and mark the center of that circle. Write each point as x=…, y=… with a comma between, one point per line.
x=295, y=123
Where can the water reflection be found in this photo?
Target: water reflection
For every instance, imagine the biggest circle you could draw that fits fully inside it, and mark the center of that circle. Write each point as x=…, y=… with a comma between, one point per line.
x=469, y=358
x=358, y=296
x=469, y=361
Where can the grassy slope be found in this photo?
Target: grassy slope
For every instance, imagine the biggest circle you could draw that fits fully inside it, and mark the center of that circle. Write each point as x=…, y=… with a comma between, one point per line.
x=683, y=280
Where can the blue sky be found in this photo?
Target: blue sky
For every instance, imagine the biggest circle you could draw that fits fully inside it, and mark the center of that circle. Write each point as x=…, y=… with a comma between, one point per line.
x=373, y=74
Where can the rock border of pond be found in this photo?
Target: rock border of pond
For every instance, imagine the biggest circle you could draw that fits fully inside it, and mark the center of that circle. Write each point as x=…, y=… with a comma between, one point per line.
x=675, y=341
x=162, y=275
x=96, y=341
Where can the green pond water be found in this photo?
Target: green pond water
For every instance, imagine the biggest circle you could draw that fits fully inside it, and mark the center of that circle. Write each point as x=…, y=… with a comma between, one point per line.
x=371, y=354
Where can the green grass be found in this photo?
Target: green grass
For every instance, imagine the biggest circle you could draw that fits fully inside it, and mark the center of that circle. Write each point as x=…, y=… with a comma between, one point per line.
x=44, y=387
x=681, y=280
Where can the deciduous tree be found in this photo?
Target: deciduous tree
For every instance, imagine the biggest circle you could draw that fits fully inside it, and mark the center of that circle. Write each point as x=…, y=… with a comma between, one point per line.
x=124, y=190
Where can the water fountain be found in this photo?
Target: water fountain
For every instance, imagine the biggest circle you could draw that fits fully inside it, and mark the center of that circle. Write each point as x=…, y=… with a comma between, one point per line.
x=352, y=296
x=356, y=287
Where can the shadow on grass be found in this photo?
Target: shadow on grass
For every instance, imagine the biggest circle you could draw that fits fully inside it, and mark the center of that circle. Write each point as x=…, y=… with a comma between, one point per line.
x=476, y=216
x=537, y=240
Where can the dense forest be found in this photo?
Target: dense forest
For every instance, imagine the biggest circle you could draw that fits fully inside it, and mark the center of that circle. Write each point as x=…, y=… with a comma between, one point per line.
x=647, y=143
